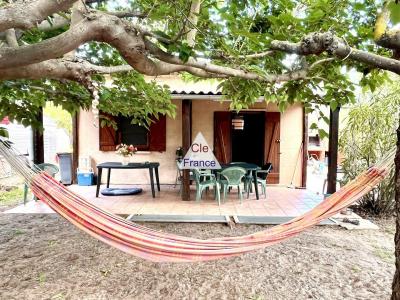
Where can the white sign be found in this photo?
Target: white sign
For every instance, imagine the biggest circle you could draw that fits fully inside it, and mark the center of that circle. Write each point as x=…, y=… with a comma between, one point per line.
x=199, y=156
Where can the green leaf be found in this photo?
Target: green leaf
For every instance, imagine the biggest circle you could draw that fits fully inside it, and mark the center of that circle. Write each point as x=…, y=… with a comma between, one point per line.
x=333, y=104
x=394, y=12
x=322, y=133
x=314, y=126
x=4, y=132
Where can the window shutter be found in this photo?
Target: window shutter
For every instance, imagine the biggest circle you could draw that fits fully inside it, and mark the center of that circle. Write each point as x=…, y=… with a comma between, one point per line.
x=108, y=137
x=272, y=145
x=158, y=134
x=223, y=136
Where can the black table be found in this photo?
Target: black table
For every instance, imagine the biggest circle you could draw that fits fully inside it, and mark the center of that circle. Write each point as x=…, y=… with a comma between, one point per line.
x=249, y=168
x=117, y=165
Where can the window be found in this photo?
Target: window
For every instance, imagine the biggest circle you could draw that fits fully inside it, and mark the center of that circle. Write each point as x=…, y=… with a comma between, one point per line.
x=153, y=139
x=133, y=134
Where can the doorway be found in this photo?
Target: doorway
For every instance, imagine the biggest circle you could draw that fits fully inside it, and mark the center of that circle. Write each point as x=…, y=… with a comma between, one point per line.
x=248, y=140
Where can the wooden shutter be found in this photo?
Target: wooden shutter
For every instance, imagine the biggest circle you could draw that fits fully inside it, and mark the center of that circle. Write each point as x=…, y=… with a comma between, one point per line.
x=223, y=136
x=272, y=144
x=108, y=137
x=158, y=134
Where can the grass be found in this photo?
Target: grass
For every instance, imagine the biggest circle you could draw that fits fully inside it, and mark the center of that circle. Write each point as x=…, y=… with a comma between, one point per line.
x=356, y=269
x=13, y=196
x=58, y=296
x=384, y=254
x=18, y=232
x=42, y=278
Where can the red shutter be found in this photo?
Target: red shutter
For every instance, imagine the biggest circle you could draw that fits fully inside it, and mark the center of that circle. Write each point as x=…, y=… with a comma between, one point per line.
x=223, y=136
x=272, y=144
x=158, y=134
x=108, y=137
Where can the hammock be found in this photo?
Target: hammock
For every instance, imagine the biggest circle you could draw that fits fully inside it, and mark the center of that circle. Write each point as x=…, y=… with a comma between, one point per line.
x=163, y=247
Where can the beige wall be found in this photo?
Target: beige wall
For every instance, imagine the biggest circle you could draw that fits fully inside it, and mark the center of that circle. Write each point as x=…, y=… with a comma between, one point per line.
x=202, y=121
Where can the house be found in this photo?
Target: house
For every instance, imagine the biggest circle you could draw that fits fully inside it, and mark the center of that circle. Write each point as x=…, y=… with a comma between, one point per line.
x=267, y=135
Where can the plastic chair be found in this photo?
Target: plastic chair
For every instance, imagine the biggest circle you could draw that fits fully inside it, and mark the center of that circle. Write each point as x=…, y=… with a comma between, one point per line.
x=232, y=177
x=204, y=181
x=262, y=178
x=51, y=169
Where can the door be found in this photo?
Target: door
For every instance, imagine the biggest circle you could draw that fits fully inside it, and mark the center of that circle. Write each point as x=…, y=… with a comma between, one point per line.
x=223, y=136
x=248, y=142
x=272, y=144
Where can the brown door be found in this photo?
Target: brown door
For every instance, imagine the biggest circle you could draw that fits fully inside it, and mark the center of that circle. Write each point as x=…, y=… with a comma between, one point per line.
x=222, y=136
x=272, y=144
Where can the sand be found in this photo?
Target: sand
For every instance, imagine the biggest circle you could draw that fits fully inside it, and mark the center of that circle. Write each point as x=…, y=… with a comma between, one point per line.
x=44, y=257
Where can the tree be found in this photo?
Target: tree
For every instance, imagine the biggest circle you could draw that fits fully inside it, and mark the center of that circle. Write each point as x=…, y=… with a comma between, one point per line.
x=287, y=51
x=369, y=133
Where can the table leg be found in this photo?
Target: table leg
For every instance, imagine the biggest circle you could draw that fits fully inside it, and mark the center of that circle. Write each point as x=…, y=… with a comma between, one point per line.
x=256, y=184
x=157, y=178
x=153, y=192
x=99, y=171
x=108, y=177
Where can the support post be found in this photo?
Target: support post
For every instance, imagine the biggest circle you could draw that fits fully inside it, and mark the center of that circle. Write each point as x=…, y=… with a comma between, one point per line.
x=333, y=150
x=305, y=150
x=75, y=145
x=186, y=140
x=38, y=141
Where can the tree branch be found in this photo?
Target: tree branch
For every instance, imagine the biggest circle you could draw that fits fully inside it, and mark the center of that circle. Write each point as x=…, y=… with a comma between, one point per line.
x=11, y=38
x=227, y=71
x=317, y=43
x=257, y=55
x=25, y=15
x=60, y=69
x=56, y=23
x=193, y=18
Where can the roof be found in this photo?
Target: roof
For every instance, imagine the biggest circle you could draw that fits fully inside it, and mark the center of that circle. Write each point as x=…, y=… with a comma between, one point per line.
x=178, y=86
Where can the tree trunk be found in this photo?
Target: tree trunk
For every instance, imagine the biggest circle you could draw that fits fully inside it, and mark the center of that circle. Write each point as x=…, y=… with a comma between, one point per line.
x=396, y=279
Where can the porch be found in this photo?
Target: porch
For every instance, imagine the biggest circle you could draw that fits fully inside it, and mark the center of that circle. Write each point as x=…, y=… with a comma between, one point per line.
x=280, y=202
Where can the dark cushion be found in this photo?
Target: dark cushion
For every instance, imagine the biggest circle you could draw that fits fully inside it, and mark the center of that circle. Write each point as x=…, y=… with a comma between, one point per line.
x=120, y=191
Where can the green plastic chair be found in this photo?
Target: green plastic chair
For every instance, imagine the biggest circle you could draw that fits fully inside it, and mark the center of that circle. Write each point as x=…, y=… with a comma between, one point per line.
x=205, y=181
x=232, y=177
x=262, y=179
x=248, y=182
x=51, y=169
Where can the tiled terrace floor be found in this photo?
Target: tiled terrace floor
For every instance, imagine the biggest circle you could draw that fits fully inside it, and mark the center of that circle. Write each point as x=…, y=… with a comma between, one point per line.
x=280, y=201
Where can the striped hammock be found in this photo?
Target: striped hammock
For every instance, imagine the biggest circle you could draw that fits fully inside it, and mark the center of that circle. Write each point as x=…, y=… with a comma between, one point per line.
x=163, y=247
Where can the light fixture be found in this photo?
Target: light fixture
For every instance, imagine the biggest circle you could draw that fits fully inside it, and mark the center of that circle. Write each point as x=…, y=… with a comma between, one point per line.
x=238, y=122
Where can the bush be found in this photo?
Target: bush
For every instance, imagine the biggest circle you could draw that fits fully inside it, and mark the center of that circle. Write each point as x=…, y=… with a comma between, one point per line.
x=370, y=132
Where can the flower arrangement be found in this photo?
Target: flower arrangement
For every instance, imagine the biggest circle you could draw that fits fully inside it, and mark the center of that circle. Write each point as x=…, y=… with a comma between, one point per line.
x=125, y=150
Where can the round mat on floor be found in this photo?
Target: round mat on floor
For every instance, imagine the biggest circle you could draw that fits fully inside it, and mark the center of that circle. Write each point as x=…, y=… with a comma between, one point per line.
x=120, y=191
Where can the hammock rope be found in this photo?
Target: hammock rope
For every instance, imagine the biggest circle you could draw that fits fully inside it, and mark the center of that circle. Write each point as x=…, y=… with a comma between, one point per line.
x=159, y=246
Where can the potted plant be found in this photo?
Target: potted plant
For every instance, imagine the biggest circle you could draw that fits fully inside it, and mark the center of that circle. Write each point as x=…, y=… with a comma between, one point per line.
x=126, y=151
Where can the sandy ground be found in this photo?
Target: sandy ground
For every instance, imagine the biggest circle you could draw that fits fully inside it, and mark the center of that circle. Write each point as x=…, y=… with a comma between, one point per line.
x=44, y=257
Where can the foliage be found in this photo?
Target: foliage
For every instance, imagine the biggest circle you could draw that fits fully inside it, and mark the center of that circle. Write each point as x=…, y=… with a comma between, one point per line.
x=3, y=132
x=61, y=117
x=370, y=132
x=22, y=100
x=226, y=31
x=129, y=95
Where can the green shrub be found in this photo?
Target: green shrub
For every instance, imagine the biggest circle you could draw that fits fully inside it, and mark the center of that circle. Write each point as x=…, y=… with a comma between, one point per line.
x=3, y=132
x=370, y=132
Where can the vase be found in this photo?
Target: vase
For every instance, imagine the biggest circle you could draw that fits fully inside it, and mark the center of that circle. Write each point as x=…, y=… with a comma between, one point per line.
x=125, y=160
